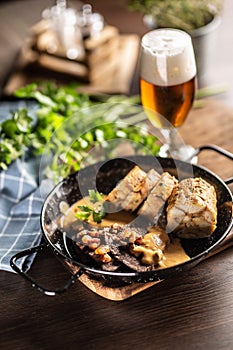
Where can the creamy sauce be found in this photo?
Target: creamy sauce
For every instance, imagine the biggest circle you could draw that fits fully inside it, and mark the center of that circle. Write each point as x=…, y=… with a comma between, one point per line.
x=173, y=254
x=120, y=217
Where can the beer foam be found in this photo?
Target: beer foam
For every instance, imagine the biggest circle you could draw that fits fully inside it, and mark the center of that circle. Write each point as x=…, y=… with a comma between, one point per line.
x=167, y=57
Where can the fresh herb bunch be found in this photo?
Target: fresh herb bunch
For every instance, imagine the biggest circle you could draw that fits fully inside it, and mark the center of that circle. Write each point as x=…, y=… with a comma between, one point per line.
x=182, y=14
x=70, y=124
x=15, y=137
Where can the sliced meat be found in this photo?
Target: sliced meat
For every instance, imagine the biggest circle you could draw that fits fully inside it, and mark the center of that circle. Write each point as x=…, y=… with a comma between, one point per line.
x=145, y=253
x=158, y=196
x=122, y=255
x=133, y=189
x=99, y=244
x=192, y=209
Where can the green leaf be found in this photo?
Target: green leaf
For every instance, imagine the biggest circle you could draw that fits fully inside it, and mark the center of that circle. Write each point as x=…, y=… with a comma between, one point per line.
x=45, y=100
x=98, y=216
x=9, y=128
x=85, y=208
x=86, y=212
x=95, y=196
x=82, y=215
x=23, y=120
x=27, y=91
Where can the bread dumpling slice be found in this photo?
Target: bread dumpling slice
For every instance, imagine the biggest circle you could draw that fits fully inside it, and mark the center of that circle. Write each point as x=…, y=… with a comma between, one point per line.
x=154, y=204
x=131, y=191
x=192, y=209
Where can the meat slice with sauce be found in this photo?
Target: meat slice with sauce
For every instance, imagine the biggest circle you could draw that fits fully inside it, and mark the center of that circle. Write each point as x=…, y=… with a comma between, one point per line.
x=192, y=209
x=108, y=246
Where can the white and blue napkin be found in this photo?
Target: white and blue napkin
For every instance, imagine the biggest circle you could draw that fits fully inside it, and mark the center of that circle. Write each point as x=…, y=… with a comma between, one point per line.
x=20, y=208
x=20, y=203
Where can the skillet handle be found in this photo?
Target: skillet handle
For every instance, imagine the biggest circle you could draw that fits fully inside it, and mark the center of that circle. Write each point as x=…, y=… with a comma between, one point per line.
x=41, y=288
x=218, y=150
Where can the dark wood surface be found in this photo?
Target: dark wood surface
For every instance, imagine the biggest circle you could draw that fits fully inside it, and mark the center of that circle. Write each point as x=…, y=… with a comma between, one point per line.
x=193, y=310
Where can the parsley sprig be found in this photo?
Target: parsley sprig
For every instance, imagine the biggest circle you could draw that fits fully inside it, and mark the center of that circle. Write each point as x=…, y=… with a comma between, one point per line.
x=96, y=212
x=95, y=196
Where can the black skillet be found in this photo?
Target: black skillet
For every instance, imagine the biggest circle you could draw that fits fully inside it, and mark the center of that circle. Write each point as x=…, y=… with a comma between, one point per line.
x=105, y=176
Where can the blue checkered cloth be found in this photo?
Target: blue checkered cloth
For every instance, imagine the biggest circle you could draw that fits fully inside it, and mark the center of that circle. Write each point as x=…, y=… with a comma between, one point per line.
x=20, y=204
x=20, y=208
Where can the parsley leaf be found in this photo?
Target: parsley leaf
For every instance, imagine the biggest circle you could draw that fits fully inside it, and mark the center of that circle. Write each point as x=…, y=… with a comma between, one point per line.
x=98, y=216
x=86, y=212
x=95, y=196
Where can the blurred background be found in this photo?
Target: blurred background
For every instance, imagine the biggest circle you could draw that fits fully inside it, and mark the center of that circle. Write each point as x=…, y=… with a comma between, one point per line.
x=18, y=16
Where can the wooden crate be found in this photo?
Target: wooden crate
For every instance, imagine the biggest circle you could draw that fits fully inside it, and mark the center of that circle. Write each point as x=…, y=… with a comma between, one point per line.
x=108, y=65
x=99, y=53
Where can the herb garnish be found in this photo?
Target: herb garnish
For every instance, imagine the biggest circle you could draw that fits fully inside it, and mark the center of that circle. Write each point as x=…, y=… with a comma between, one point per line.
x=97, y=212
x=95, y=196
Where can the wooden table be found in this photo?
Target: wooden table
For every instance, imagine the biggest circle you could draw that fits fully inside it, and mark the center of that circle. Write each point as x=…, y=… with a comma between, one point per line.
x=194, y=310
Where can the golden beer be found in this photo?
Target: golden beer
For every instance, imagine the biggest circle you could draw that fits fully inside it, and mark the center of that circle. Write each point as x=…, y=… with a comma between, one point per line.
x=170, y=102
x=167, y=76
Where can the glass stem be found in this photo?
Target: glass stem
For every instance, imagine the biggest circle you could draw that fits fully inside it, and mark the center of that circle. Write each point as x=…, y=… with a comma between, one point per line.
x=173, y=142
x=174, y=146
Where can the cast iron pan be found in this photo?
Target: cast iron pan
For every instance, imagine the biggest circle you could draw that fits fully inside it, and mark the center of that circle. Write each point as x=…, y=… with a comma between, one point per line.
x=105, y=176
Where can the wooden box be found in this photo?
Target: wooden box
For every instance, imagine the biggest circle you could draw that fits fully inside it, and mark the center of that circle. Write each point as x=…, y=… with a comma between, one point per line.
x=107, y=66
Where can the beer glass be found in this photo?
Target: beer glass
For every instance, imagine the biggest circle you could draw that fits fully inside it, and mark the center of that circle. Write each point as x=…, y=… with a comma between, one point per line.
x=168, y=85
